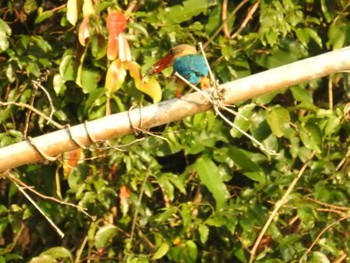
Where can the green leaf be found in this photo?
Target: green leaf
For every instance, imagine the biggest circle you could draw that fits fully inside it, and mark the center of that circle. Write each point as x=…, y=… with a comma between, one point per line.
x=168, y=213
x=178, y=183
x=311, y=137
x=98, y=46
x=58, y=84
x=191, y=251
x=242, y=119
x=58, y=253
x=209, y=175
x=161, y=251
x=278, y=119
x=104, y=235
x=166, y=186
x=67, y=66
x=242, y=160
x=5, y=31
x=43, y=259
x=337, y=34
x=30, y=6
x=306, y=215
x=203, y=233
x=181, y=13
x=318, y=257
x=4, y=27
x=333, y=125
x=42, y=43
x=305, y=34
x=313, y=35
x=186, y=216
x=89, y=79
x=43, y=15
x=301, y=94
x=4, y=44
x=327, y=9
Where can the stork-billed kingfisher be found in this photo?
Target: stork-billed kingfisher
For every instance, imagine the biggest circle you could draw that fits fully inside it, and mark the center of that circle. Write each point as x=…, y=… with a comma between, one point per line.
x=186, y=62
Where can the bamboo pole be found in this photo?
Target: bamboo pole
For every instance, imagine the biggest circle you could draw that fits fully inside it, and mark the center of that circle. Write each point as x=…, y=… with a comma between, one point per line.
x=117, y=125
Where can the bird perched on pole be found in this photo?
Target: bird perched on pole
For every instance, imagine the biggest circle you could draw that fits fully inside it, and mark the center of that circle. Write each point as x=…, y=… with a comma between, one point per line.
x=186, y=62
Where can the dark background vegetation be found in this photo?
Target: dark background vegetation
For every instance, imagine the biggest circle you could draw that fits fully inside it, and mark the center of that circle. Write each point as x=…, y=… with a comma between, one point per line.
x=204, y=191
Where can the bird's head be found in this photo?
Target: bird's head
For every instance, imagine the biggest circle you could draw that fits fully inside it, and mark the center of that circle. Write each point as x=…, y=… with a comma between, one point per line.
x=168, y=59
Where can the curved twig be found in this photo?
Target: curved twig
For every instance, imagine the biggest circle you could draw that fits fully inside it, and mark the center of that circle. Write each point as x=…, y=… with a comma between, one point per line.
x=278, y=205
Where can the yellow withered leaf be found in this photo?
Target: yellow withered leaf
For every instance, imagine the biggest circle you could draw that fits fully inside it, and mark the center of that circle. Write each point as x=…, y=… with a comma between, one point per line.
x=88, y=8
x=72, y=11
x=115, y=76
x=150, y=86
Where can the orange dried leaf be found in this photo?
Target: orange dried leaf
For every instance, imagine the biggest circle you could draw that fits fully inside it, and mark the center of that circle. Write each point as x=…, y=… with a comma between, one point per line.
x=71, y=160
x=115, y=76
x=112, y=47
x=124, y=194
x=134, y=70
x=83, y=33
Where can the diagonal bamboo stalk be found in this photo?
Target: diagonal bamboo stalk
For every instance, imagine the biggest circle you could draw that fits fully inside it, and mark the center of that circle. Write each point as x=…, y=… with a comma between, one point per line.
x=120, y=124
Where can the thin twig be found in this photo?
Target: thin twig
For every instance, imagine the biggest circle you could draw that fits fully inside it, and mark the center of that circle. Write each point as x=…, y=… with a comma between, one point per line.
x=223, y=17
x=38, y=84
x=58, y=231
x=261, y=146
x=341, y=258
x=330, y=92
x=80, y=250
x=343, y=161
x=246, y=20
x=223, y=23
x=18, y=235
x=203, y=93
x=14, y=179
x=29, y=113
x=133, y=226
x=278, y=205
x=20, y=104
x=336, y=207
x=211, y=75
x=320, y=234
x=217, y=105
x=329, y=210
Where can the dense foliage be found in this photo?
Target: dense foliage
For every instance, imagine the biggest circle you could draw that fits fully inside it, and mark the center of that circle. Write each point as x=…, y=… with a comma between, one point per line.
x=190, y=191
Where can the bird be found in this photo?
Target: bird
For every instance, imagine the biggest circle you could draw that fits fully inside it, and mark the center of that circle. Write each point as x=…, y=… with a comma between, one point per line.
x=186, y=62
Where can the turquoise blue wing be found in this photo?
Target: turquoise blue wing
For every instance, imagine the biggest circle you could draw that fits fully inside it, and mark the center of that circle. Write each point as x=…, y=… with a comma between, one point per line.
x=191, y=67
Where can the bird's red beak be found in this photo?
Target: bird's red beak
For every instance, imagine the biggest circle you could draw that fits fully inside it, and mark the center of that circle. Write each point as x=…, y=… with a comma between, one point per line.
x=160, y=65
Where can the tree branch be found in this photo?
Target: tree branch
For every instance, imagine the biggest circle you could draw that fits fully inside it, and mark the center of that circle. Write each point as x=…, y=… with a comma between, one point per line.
x=123, y=123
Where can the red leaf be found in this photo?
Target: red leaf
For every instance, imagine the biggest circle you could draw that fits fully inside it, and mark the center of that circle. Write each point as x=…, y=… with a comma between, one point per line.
x=116, y=23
